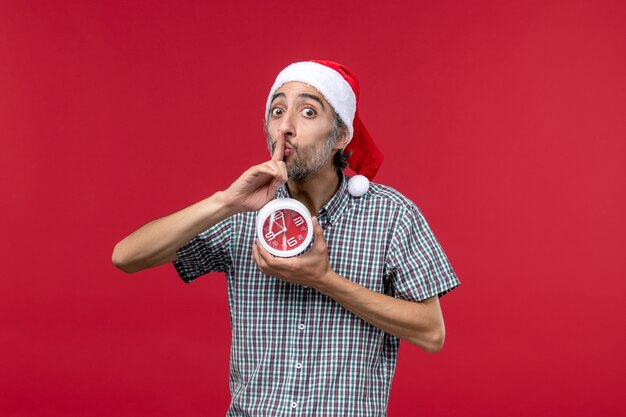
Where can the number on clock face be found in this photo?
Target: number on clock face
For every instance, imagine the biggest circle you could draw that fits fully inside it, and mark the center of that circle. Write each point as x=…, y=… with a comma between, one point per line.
x=284, y=229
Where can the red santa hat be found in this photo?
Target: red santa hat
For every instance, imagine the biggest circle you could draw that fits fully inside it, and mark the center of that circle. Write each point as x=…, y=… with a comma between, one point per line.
x=340, y=87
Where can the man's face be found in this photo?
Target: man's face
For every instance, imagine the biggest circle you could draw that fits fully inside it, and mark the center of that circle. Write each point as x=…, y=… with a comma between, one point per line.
x=304, y=118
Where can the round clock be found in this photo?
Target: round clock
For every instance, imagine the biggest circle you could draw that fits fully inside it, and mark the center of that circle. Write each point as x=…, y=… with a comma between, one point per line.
x=284, y=227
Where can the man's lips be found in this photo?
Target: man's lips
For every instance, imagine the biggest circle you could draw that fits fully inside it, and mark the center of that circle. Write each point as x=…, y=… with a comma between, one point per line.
x=288, y=150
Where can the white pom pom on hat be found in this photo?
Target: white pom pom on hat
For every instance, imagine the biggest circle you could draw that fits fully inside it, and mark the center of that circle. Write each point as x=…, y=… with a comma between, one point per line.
x=340, y=87
x=358, y=185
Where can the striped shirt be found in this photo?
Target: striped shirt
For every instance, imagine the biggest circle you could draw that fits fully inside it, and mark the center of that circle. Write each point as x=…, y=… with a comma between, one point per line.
x=295, y=351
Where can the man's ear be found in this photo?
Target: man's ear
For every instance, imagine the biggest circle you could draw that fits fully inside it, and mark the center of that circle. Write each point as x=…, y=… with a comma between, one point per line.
x=342, y=141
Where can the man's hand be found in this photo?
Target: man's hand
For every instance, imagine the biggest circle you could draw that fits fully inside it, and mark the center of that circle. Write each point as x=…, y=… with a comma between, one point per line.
x=258, y=185
x=420, y=323
x=157, y=242
x=311, y=268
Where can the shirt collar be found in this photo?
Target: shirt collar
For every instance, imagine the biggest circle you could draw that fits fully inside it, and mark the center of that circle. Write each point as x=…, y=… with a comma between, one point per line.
x=331, y=211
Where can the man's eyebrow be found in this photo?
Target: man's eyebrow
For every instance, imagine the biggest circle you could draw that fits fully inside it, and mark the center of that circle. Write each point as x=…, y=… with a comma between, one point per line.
x=305, y=95
x=313, y=97
x=275, y=96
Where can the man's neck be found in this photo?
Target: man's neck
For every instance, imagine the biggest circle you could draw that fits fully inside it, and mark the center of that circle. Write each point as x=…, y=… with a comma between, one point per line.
x=317, y=190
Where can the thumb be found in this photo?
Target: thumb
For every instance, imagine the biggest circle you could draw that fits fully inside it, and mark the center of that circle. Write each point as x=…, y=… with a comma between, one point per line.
x=319, y=243
x=318, y=232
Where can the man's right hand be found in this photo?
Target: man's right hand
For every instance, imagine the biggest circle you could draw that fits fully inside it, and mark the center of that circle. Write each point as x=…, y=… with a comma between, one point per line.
x=158, y=241
x=258, y=185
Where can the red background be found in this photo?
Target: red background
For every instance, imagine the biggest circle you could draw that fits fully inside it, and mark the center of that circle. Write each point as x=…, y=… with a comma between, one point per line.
x=503, y=121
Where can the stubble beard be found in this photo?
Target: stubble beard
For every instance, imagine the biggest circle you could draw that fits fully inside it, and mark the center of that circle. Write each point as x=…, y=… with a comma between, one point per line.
x=302, y=170
x=307, y=164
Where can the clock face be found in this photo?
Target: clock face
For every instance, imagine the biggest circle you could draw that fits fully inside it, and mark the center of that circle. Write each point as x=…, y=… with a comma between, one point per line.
x=284, y=227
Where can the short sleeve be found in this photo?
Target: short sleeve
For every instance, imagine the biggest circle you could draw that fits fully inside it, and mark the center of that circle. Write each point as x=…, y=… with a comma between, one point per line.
x=418, y=267
x=207, y=252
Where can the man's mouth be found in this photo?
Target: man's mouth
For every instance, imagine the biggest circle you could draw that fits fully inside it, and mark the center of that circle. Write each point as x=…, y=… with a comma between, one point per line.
x=289, y=149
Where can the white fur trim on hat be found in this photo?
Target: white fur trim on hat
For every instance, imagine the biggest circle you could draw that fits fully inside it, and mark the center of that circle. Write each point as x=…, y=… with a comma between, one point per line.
x=337, y=92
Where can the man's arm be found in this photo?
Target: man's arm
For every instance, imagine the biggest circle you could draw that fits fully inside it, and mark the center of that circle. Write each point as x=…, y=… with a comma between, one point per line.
x=157, y=242
x=420, y=323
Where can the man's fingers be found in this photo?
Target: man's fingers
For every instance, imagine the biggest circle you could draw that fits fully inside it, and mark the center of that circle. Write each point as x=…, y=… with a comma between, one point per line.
x=255, y=255
x=259, y=174
x=318, y=232
x=260, y=254
x=282, y=172
x=266, y=262
x=317, y=229
x=279, y=148
x=319, y=243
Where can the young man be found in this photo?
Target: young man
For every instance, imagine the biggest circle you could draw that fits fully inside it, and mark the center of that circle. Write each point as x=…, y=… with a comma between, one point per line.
x=316, y=334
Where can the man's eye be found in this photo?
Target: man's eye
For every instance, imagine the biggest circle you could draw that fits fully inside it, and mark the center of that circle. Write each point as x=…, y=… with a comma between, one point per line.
x=309, y=112
x=277, y=111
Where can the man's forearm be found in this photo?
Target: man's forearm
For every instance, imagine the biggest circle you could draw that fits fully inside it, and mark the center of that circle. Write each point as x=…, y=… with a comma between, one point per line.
x=156, y=243
x=420, y=323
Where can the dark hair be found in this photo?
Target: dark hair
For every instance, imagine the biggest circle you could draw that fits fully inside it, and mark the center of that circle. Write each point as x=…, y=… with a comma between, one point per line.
x=340, y=160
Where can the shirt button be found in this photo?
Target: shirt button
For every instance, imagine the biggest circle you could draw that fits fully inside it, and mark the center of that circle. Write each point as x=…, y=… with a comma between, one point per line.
x=301, y=326
x=294, y=405
x=298, y=365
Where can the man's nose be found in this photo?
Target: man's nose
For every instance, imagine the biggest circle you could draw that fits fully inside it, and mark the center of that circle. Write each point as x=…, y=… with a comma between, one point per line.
x=287, y=127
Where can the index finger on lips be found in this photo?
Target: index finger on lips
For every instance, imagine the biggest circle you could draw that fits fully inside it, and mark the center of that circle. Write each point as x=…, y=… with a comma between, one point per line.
x=279, y=148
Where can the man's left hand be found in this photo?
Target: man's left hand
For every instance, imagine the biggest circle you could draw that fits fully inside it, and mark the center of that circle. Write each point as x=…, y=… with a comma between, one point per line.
x=311, y=268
